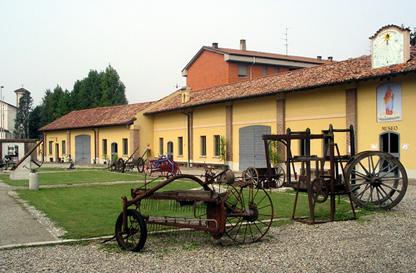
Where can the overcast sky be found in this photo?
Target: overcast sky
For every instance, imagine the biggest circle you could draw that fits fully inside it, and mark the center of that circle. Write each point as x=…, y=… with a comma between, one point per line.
x=49, y=43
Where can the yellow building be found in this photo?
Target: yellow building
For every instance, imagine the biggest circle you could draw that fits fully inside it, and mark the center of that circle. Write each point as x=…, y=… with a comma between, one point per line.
x=373, y=93
x=96, y=135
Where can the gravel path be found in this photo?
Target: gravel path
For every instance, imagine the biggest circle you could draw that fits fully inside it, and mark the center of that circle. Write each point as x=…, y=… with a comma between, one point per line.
x=382, y=242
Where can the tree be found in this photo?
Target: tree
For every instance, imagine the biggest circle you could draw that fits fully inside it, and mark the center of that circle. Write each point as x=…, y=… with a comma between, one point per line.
x=35, y=123
x=50, y=104
x=113, y=90
x=21, y=126
x=98, y=89
x=413, y=37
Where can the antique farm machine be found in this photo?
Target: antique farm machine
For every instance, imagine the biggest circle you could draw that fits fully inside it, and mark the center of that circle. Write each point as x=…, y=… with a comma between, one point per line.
x=370, y=179
x=218, y=205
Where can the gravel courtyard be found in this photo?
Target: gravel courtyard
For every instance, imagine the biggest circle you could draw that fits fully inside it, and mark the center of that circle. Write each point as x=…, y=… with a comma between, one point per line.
x=381, y=242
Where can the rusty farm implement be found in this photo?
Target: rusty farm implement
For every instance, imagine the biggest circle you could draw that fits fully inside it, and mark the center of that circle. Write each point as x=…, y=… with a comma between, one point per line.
x=242, y=210
x=374, y=180
x=238, y=210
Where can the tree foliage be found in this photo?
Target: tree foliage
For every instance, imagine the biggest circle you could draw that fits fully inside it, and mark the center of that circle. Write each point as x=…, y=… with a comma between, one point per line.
x=21, y=126
x=98, y=89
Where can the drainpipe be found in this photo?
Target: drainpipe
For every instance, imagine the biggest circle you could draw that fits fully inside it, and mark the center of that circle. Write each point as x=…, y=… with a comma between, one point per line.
x=251, y=68
x=189, y=137
x=95, y=145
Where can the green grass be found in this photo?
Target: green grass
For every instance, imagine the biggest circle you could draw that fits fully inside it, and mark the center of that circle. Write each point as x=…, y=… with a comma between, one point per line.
x=92, y=211
x=84, y=211
x=63, y=177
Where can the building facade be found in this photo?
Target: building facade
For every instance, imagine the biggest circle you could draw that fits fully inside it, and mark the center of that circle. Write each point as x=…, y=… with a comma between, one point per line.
x=214, y=66
x=373, y=93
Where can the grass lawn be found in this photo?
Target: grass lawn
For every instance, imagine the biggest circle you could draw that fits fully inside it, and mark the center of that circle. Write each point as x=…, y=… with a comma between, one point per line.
x=92, y=210
x=58, y=176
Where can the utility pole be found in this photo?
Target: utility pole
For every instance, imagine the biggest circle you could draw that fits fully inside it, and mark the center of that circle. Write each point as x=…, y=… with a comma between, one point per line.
x=1, y=112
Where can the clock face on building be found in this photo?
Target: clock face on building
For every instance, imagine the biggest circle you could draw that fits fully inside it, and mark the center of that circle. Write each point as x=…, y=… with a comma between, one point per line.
x=388, y=48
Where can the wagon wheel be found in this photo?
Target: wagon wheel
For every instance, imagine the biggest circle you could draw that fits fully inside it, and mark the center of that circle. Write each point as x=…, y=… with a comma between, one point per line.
x=251, y=174
x=249, y=214
x=113, y=166
x=121, y=165
x=377, y=179
x=279, y=177
x=140, y=165
x=320, y=190
x=134, y=237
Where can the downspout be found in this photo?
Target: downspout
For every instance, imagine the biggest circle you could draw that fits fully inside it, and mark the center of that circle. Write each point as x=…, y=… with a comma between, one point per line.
x=189, y=137
x=251, y=68
x=95, y=145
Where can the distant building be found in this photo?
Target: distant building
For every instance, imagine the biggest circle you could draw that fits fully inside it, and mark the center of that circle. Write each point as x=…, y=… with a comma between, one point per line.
x=8, y=115
x=213, y=66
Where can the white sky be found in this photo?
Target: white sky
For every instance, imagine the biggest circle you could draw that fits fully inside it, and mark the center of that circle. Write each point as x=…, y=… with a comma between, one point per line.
x=47, y=43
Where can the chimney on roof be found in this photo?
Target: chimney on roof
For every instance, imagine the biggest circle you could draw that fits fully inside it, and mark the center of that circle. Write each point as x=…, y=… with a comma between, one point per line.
x=330, y=58
x=319, y=57
x=185, y=94
x=242, y=44
x=215, y=45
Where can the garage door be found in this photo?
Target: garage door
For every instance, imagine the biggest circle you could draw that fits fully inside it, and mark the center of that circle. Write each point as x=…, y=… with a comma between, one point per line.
x=252, y=153
x=83, y=149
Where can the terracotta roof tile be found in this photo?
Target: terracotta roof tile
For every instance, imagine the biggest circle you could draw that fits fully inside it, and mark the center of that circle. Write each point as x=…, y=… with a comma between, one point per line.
x=266, y=55
x=98, y=117
x=350, y=70
x=250, y=53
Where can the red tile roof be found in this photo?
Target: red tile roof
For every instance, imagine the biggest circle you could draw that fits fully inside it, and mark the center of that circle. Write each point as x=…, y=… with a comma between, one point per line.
x=351, y=70
x=267, y=55
x=255, y=54
x=98, y=117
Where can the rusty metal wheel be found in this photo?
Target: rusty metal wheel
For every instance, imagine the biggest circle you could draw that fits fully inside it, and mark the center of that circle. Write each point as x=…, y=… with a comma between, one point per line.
x=140, y=165
x=121, y=165
x=377, y=180
x=134, y=237
x=279, y=177
x=249, y=213
x=251, y=174
x=320, y=190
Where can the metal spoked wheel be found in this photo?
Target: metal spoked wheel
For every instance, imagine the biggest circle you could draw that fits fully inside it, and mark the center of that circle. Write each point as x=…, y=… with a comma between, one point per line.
x=377, y=179
x=251, y=174
x=121, y=165
x=140, y=165
x=320, y=190
x=248, y=212
x=279, y=177
x=134, y=237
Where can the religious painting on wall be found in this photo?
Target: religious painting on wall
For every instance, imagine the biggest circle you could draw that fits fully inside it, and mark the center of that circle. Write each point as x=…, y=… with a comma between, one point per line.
x=389, y=102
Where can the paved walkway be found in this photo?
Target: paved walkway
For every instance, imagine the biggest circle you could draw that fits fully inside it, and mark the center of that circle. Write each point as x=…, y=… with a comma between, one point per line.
x=17, y=225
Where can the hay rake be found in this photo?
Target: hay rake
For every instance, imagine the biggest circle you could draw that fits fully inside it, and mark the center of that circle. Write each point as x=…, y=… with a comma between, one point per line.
x=239, y=210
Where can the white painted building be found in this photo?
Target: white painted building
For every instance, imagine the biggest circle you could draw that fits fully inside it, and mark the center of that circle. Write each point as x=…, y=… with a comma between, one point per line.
x=8, y=115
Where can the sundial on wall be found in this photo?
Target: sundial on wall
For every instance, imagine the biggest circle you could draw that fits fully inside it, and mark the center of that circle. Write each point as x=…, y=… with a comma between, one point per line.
x=389, y=46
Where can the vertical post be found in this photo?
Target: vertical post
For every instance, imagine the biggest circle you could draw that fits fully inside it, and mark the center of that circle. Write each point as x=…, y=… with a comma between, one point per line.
x=1, y=111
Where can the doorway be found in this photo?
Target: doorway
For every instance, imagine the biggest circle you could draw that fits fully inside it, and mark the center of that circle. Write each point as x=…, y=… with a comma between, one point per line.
x=251, y=148
x=170, y=150
x=390, y=143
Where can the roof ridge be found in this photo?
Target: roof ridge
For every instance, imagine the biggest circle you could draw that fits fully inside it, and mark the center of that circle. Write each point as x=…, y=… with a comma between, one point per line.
x=332, y=73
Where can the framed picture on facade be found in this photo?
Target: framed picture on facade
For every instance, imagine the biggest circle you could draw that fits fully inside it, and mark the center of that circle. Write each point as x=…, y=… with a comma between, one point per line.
x=389, y=102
